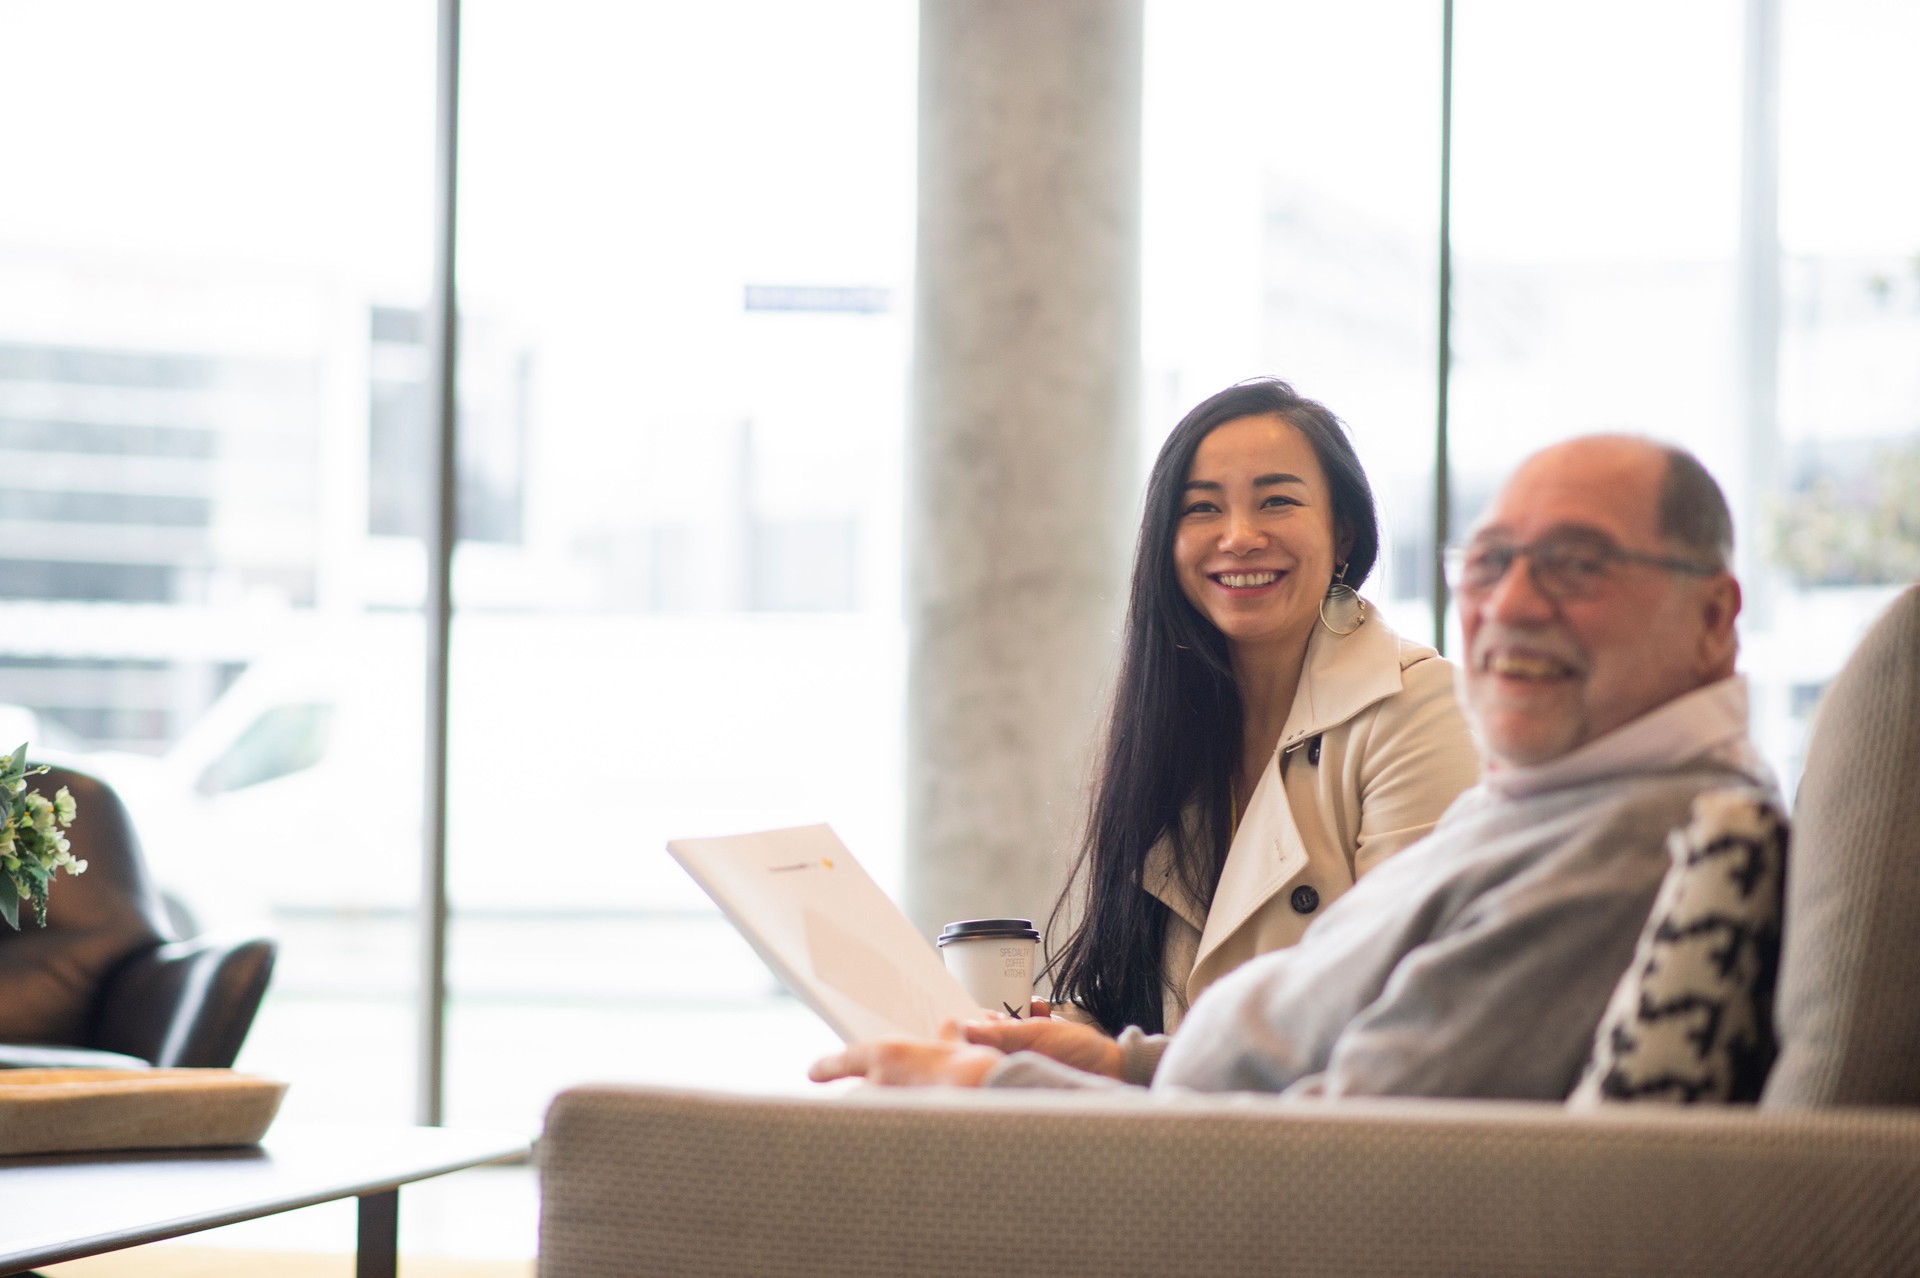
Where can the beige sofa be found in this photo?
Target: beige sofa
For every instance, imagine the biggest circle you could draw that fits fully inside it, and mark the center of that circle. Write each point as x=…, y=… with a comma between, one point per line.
x=1823, y=1178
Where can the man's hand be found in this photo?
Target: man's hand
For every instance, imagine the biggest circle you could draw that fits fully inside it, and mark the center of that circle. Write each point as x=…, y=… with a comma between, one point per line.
x=1069, y=1042
x=908, y=1062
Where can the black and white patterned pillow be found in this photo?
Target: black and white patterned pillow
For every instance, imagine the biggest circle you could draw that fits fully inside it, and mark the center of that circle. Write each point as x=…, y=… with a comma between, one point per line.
x=1692, y=1018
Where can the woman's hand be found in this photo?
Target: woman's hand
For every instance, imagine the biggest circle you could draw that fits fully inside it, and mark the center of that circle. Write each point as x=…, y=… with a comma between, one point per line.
x=948, y=1061
x=1069, y=1042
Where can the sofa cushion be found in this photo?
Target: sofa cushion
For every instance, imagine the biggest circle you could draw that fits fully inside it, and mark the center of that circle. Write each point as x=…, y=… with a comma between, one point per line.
x=1692, y=1017
x=1848, y=1017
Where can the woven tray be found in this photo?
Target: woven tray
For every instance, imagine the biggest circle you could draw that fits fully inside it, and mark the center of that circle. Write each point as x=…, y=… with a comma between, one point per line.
x=47, y=1111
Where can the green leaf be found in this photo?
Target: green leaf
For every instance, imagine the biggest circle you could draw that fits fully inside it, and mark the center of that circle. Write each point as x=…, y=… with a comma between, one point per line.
x=9, y=902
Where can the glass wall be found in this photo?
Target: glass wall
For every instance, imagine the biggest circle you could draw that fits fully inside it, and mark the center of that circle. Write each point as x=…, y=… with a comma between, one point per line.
x=1291, y=229
x=695, y=251
x=1682, y=221
x=1702, y=237
x=685, y=283
x=1596, y=231
x=1838, y=528
x=213, y=250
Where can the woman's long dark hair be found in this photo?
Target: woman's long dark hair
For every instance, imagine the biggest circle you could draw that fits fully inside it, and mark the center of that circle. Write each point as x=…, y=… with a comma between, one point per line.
x=1172, y=742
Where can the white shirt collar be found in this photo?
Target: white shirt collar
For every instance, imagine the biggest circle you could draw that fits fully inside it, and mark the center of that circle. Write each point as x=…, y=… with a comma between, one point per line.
x=1707, y=725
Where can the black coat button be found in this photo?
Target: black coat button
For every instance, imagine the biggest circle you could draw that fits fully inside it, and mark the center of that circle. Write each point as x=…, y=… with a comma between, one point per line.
x=1305, y=899
x=1313, y=757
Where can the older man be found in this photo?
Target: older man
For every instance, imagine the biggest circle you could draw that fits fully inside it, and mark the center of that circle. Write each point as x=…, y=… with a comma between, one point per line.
x=1599, y=622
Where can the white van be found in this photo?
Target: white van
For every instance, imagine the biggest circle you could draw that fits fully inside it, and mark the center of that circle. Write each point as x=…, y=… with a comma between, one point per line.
x=579, y=745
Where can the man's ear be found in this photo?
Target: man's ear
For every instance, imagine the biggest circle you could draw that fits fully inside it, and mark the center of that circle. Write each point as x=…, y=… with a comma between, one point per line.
x=1719, y=604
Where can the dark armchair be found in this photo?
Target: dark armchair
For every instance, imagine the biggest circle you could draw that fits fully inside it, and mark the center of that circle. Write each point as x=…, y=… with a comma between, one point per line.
x=105, y=984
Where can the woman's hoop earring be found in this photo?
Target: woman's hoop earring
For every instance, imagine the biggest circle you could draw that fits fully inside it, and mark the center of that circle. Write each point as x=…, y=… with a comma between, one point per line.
x=1343, y=597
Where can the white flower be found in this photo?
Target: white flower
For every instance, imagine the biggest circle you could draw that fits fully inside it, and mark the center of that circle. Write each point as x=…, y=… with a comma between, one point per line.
x=32, y=845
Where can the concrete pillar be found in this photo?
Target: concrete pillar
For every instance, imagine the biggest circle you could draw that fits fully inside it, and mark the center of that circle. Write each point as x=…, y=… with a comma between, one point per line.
x=1022, y=496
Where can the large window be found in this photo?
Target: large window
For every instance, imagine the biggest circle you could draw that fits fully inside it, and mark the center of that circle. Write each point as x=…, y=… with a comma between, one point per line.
x=213, y=212
x=1702, y=237
x=684, y=276
x=701, y=247
x=1683, y=221
x=1292, y=229
x=1838, y=528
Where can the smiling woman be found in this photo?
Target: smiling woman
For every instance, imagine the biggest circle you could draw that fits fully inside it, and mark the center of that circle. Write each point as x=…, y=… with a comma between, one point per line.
x=1270, y=739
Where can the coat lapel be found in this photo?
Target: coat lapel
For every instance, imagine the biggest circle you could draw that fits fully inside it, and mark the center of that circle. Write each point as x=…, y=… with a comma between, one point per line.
x=1266, y=852
x=1343, y=675
x=1159, y=879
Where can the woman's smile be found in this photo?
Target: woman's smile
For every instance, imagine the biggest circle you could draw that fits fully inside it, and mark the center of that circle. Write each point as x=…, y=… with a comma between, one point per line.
x=1246, y=582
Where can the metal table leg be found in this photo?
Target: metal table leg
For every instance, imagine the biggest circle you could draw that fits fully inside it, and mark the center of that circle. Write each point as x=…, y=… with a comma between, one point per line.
x=379, y=1236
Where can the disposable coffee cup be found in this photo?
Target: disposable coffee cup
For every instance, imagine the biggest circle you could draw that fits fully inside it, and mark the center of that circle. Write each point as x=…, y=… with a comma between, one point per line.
x=993, y=961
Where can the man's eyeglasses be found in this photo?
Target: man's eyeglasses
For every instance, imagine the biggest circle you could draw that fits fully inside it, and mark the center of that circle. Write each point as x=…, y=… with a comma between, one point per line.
x=1561, y=567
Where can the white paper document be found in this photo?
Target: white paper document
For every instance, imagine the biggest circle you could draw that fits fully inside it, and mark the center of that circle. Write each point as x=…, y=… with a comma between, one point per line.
x=827, y=930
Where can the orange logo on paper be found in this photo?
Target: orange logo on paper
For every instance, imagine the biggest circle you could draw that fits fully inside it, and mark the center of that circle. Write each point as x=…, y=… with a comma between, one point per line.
x=826, y=863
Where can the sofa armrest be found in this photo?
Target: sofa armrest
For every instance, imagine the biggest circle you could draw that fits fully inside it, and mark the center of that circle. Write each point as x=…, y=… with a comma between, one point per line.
x=987, y=1183
x=184, y=1003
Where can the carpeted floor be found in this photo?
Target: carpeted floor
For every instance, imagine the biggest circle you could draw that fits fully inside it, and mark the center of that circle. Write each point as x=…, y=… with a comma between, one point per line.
x=171, y=1261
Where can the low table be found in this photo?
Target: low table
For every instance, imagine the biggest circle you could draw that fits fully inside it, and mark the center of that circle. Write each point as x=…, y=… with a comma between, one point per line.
x=56, y=1207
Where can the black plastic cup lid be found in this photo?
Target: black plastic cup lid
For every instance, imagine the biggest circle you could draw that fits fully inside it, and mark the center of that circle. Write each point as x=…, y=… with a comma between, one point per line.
x=987, y=929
